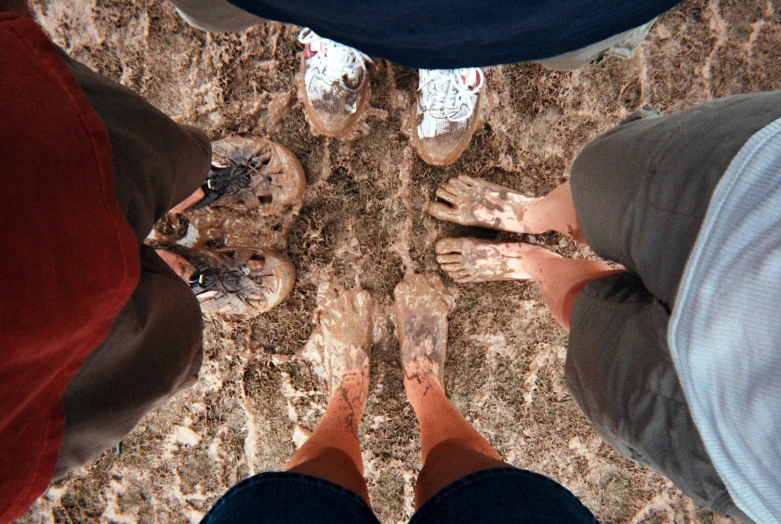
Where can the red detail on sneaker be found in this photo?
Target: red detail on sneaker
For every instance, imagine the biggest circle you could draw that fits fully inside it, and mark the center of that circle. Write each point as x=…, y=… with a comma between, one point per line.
x=308, y=53
x=478, y=80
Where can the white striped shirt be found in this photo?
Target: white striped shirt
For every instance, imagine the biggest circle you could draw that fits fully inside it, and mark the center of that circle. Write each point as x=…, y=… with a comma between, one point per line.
x=725, y=331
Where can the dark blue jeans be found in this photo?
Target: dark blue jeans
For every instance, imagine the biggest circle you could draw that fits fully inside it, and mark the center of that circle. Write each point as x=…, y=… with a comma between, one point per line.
x=492, y=495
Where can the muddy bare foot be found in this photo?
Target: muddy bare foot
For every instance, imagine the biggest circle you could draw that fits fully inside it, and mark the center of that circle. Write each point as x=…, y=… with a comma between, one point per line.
x=339, y=346
x=472, y=260
x=475, y=202
x=421, y=307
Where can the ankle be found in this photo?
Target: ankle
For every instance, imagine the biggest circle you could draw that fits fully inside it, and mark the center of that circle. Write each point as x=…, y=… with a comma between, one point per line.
x=352, y=400
x=188, y=202
x=535, y=259
x=180, y=265
x=424, y=389
x=533, y=218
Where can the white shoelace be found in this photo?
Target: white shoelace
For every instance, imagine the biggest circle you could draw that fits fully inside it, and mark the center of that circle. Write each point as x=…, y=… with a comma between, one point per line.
x=443, y=94
x=334, y=61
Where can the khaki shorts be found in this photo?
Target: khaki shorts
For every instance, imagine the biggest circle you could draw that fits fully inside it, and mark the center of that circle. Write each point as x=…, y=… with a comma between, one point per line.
x=641, y=192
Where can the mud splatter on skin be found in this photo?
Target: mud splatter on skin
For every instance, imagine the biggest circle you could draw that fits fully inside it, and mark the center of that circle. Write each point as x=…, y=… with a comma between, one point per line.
x=472, y=260
x=538, y=122
x=422, y=305
x=339, y=346
x=421, y=353
x=352, y=417
x=475, y=202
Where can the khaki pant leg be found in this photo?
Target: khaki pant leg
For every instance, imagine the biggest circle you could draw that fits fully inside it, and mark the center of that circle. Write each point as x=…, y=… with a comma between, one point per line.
x=621, y=374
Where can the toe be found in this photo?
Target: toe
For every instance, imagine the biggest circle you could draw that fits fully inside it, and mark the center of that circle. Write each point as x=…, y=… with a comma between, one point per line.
x=346, y=301
x=327, y=293
x=401, y=291
x=467, y=180
x=256, y=263
x=446, y=194
x=417, y=281
x=444, y=212
x=449, y=259
x=460, y=274
x=461, y=185
x=453, y=186
x=451, y=245
x=439, y=290
x=451, y=268
x=464, y=279
x=363, y=301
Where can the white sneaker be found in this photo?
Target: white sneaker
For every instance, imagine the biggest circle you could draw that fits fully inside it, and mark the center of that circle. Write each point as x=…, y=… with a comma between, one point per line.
x=335, y=84
x=447, y=112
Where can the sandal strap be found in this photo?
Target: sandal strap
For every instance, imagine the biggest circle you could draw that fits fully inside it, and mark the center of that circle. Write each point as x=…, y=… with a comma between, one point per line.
x=222, y=180
x=229, y=280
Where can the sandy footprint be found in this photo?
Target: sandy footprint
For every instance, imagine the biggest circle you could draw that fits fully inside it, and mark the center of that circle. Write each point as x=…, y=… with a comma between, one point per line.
x=339, y=347
x=422, y=304
x=473, y=260
x=475, y=202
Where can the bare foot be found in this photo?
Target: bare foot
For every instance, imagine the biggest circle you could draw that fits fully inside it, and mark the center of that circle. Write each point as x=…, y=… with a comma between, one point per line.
x=474, y=202
x=421, y=307
x=472, y=260
x=339, y=346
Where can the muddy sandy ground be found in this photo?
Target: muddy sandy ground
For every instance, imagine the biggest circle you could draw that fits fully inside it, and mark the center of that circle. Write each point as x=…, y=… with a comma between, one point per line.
x=362, y=222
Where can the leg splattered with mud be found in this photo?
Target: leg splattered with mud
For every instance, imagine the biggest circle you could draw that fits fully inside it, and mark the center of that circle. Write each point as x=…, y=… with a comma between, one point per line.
x=339, y=349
